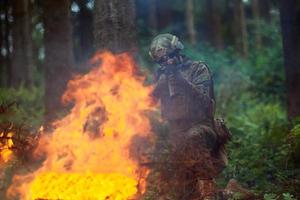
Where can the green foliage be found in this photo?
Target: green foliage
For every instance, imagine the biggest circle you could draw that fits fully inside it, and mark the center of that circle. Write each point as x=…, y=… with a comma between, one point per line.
x=268, y=62
x=284, y=196
x=29, y=108
x=288, y=196
x=270, y=196
x=296, y=130
x=258, y=151
x=237, y=196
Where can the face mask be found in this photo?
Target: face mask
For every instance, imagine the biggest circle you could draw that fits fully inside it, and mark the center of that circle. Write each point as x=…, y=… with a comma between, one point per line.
x=168, y=60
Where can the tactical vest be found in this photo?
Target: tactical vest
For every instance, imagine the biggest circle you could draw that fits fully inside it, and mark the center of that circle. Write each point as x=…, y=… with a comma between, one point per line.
x=185, y=104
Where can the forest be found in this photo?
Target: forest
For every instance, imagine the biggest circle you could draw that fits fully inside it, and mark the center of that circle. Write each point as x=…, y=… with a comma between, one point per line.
x=252, y=48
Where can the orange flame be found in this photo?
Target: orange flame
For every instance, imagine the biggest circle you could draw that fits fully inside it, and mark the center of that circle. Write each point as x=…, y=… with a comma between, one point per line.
x=89, y=155
x=6, y=147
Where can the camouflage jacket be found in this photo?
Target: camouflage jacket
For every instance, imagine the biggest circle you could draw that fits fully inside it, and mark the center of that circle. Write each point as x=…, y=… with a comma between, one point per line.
x=193, y=100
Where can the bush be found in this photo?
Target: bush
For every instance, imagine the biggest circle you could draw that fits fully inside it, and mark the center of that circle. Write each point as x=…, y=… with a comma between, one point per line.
x=29, y=105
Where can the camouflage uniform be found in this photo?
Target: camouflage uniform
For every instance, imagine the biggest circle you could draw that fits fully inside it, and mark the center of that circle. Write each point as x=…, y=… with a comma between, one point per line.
x=187, y=103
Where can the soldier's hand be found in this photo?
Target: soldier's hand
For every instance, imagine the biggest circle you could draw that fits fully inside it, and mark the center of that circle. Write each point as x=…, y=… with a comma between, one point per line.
x=176, y=79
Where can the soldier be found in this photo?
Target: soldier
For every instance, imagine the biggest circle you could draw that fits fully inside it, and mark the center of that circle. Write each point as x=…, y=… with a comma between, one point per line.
x=185, y=90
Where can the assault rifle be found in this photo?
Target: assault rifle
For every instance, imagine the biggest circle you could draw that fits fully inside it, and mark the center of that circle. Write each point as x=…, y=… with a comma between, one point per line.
x=169, y=71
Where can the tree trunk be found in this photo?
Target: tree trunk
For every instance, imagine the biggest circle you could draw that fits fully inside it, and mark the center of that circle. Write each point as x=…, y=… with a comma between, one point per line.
x=257, y=23
x=165, y=14
x=290, y=23
x=240, y=28
x=85, y=31
x=189, y=16
x=58, y=53
x=152, y=16
x=114, y=25
x=7, y=45
x=265, y=8
x=37, y=45
x=2, y=57
x=22, y=63
x=215, y=25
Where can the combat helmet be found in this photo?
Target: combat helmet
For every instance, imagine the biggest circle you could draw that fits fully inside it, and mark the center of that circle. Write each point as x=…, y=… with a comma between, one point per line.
x=164, y=45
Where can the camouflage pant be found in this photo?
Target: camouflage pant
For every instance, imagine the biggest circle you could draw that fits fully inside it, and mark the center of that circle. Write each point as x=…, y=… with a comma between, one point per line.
x=195, y=150
x=190, y=161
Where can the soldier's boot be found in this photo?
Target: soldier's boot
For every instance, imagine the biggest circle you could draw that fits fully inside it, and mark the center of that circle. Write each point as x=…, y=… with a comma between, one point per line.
x=207, y=189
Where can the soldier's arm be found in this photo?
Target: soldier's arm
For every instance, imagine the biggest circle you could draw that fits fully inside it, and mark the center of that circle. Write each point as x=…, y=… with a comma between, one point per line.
x=200, y=82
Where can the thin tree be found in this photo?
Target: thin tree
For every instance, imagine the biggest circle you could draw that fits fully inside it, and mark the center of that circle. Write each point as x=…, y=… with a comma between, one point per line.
x=215, y=24
x=190, y=24
x=290, y=23
x=152, y=16
x=84, y=31
x=165, y=14
x=115, y=25
x=265, y=9
x=257, y=23
x=22, y=63
x=240, y=28
x=2, y=57
x=58, y=52
x=37, y=20
x=7, y=44
x=261, y=15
